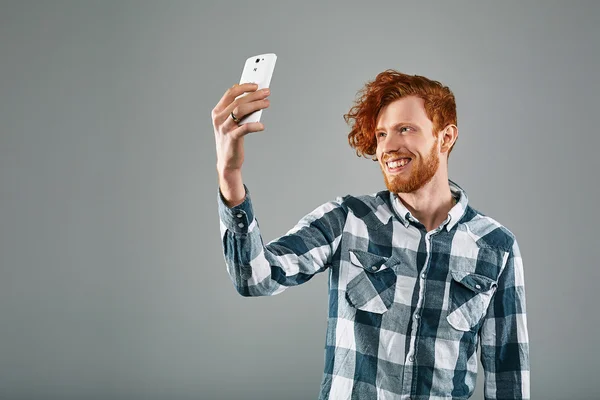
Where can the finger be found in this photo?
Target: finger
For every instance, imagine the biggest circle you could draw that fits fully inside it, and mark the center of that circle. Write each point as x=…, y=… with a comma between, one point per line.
x=220, y=116
x=242, y=107
x=247, y=128
x=250, y=97
x=242, y=110
x=234, y=92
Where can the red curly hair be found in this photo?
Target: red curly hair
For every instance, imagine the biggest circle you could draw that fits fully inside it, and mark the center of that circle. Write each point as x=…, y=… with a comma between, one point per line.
x=388, y=86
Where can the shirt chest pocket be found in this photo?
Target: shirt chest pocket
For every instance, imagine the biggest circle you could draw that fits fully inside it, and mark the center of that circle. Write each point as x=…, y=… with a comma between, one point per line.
x=470, y=296
x=371, y=282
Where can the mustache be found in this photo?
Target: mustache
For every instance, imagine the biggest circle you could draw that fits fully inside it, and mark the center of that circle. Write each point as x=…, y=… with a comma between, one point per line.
x=391, y=156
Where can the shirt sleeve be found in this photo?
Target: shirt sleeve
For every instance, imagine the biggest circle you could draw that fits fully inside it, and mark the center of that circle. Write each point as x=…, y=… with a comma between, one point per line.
x=504, y=337
x=257, y=269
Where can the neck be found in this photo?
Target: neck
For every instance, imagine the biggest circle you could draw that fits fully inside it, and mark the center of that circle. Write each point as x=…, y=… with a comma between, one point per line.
x=430, y=204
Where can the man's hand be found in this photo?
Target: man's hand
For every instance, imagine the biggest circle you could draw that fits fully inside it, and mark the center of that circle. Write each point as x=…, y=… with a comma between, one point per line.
x=229, y=137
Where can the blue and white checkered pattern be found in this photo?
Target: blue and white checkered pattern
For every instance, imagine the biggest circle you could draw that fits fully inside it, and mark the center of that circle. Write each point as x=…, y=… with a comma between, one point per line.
x=407, y=308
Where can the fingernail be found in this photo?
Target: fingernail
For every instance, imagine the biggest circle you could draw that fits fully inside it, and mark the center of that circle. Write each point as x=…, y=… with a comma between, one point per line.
x=267, y=90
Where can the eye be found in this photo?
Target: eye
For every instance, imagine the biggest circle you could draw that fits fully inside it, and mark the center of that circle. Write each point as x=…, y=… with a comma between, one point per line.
x=383, y=134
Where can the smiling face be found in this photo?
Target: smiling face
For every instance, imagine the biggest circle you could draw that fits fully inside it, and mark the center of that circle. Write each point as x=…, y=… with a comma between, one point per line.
x=407, y=151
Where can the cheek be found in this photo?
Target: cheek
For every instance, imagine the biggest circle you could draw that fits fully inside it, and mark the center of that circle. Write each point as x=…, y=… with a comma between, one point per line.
x=378, y=152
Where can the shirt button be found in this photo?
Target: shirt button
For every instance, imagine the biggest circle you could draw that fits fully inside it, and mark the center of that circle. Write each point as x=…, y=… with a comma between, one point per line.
x=423, y=275
x=477, y=287
x=411, y=359
x=241, y=225
x=239, y=215
x=374, y=268
x=417, y=316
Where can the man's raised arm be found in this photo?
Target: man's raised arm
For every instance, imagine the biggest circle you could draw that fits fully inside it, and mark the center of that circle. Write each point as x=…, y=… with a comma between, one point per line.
x=257, y=269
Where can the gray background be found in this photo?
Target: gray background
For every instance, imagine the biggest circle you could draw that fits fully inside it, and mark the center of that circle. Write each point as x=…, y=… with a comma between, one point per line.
x=112, y=281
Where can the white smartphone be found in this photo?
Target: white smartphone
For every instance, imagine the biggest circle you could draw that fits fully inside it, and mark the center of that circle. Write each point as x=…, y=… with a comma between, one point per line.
x=257, y=69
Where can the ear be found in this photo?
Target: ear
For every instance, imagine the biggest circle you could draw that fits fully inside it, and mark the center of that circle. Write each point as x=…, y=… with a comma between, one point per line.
x=448, y=137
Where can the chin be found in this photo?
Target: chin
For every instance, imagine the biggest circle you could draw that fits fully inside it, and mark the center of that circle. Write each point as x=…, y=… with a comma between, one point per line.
x=408, y=185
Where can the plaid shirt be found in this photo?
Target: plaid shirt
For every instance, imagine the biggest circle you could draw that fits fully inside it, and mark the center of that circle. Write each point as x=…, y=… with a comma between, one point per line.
x=407, y=307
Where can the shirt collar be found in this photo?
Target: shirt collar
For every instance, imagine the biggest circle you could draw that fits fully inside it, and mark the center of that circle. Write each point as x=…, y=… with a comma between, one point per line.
x=454, y=215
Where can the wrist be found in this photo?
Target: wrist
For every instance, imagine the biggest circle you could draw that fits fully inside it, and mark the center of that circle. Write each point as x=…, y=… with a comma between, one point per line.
x=231, y=187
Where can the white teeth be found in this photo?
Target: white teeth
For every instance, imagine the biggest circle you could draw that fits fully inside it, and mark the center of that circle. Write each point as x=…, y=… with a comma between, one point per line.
x=398, y=163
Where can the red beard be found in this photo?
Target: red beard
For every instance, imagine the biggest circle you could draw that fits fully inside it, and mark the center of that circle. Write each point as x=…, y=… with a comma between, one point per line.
x=420, y=173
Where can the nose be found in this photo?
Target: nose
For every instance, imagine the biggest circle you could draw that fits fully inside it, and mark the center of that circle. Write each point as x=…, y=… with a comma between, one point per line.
x=391, y=143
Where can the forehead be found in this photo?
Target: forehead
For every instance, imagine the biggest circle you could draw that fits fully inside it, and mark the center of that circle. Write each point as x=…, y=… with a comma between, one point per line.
x=410, y=109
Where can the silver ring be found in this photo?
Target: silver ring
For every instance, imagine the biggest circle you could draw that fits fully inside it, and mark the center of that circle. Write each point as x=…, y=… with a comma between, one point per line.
x=236, y=119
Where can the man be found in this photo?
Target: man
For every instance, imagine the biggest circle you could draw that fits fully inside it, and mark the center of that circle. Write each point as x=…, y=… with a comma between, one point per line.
x=417, y=277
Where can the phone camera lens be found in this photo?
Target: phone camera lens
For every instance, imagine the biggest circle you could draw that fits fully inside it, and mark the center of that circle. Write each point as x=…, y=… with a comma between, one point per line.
x=258, y=59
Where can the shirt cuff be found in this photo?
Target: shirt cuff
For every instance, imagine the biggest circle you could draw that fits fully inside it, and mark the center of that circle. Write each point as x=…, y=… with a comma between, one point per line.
x=238, y=218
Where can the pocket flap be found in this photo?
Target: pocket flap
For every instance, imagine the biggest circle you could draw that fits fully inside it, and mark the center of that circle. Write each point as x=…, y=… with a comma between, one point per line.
x=475, y=282
x=368, y=261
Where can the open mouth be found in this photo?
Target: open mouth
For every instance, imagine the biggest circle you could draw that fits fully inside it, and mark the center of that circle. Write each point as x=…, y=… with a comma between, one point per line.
x=398, y=164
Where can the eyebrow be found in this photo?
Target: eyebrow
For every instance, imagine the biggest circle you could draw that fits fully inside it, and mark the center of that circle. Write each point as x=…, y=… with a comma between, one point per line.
x=397, y=125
